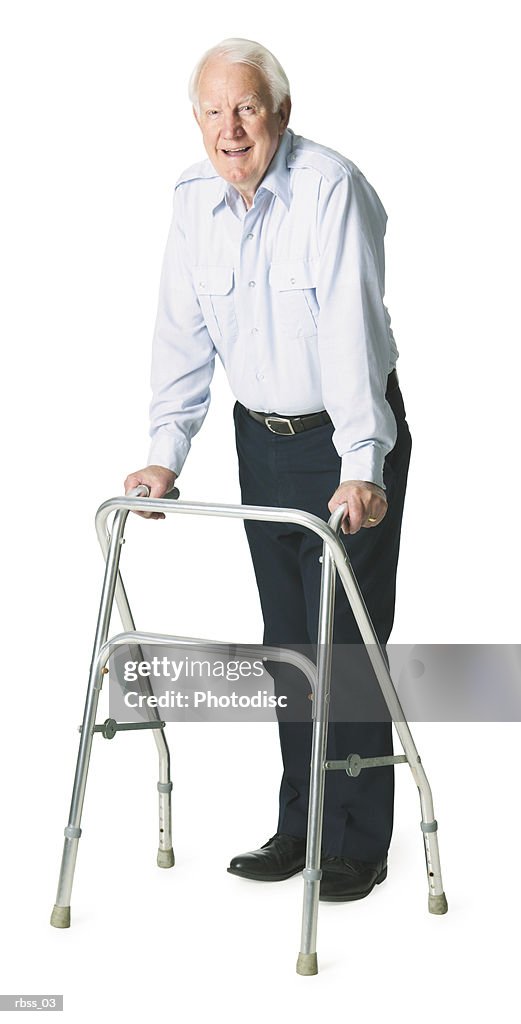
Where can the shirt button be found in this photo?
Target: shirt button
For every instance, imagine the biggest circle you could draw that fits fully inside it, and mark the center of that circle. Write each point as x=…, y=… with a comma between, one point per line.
x=251, y=284
x=292, y=280
x=259, y=376
x=201, y=284
x=250, y=236
x=255, y=330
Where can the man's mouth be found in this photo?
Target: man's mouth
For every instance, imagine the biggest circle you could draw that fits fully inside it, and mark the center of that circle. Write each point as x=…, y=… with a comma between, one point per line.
x=238, y=151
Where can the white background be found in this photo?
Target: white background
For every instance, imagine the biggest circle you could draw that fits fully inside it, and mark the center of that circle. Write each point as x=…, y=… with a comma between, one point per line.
x=96, y=127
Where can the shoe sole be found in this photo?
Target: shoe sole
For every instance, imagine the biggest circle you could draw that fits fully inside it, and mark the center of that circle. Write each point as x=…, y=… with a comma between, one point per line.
x=266, y=878
x=357, y=896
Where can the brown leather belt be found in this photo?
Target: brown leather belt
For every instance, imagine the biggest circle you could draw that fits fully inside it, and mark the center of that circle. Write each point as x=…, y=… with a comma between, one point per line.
x=296, y=424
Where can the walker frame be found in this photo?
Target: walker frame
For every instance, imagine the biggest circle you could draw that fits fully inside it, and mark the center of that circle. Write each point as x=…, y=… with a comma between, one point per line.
x=334, y=557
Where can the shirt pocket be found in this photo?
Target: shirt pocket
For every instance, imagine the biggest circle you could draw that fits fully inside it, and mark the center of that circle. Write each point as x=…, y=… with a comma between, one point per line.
x=293, y=285
x=214, y=288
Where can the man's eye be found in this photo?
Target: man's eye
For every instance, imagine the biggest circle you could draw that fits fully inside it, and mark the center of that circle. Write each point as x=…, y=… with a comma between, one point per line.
x=246, y=107
x=212, y=113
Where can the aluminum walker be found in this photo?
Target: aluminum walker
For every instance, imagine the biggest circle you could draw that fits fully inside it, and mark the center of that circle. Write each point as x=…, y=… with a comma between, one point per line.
x=334, y=557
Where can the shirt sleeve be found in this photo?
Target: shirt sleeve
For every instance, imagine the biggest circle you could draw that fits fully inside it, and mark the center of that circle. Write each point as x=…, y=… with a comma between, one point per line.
x=183, y=356
x=355, y=342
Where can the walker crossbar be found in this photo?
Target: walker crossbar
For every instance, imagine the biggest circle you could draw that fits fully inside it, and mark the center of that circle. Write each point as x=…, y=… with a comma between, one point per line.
x=110, y=727
x=354, y=763
x=334, y=557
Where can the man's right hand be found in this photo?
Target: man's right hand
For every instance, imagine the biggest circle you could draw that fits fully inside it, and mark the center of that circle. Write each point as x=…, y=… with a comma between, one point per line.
x=158, y=479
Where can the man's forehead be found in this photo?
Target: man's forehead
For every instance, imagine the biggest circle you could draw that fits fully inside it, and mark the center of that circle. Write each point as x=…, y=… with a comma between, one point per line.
x=241, y=80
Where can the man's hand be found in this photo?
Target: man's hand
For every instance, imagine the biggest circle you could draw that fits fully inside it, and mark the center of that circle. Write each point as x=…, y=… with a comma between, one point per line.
x=366, y=504
x=159, y=479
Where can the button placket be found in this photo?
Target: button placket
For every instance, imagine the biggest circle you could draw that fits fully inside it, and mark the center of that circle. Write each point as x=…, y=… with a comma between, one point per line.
x=248, y=273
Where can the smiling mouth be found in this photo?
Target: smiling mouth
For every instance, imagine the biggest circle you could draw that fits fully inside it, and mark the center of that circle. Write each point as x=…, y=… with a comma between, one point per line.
x=237, y=152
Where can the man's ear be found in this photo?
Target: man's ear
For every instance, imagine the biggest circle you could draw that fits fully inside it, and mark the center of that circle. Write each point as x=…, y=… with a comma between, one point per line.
x=284, y=112
x=196, y=115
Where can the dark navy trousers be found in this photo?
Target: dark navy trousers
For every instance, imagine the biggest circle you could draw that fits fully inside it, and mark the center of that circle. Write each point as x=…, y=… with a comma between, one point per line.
x=302, y=471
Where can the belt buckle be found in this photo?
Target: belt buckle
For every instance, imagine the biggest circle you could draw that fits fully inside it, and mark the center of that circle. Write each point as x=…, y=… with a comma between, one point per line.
x=280, y=419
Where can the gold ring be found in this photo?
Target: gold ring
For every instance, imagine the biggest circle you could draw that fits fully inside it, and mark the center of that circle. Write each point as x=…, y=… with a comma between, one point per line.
x=371, y=519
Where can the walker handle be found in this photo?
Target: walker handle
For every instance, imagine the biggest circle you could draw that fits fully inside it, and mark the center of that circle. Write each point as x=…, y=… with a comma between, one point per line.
x=337, y=517
x=143, y=491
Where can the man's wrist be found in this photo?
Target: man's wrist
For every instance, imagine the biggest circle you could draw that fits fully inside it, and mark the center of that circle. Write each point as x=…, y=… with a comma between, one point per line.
x=371, y=483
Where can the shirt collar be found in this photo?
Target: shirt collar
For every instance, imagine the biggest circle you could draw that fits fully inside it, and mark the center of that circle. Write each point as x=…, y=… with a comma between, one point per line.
x=276, y=179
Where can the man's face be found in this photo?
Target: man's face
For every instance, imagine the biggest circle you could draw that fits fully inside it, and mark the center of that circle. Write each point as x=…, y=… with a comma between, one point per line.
x=240, y=131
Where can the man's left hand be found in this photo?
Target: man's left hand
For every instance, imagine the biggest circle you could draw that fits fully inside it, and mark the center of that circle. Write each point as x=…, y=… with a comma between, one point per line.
x=366, y=504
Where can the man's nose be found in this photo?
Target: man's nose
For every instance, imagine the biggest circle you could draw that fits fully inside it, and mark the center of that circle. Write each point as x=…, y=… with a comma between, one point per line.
x=232, y=126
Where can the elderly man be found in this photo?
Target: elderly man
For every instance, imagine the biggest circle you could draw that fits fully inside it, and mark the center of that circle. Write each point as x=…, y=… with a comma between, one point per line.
x=275, y=261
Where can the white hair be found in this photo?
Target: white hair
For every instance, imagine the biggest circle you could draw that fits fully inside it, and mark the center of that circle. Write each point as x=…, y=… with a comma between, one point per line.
x=244, y=51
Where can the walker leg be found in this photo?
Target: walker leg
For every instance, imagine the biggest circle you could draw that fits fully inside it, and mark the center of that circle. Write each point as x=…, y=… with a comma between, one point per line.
x=307, y=963
x=437, y=902
x=165, y=853
x=437, y=899
x=61, y=914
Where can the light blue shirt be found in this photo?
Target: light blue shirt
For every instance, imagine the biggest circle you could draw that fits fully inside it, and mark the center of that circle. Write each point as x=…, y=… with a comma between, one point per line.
x=289, y=294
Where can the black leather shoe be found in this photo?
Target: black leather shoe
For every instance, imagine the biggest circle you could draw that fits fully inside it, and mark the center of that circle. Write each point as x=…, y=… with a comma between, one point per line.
x=281, y=857
x=344, y=879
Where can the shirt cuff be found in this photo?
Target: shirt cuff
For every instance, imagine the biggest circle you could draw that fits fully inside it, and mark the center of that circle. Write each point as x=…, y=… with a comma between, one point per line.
x=364, y=464
x=168, y=451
